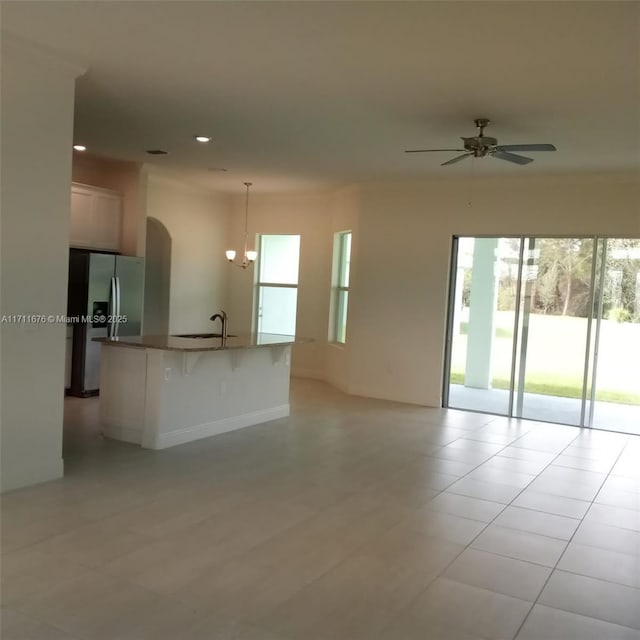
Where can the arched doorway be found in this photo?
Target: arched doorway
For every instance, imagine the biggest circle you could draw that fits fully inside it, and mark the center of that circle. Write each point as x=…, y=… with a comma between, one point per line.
x=157, y=279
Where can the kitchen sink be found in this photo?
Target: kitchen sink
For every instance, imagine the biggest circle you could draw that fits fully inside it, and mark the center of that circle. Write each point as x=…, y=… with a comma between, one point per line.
x=203, y=335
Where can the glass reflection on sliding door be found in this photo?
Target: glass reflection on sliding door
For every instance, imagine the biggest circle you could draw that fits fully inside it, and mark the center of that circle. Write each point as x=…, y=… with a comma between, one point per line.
x=556, y=304
x=483, y=323
x=616, y=392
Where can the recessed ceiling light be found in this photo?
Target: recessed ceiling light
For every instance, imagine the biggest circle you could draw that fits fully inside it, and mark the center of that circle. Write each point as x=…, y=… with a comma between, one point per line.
x=79, y=147
x=157, y=152
x=202, y=138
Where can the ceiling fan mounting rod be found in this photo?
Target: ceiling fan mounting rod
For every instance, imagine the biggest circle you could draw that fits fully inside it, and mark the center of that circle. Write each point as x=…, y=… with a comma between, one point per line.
x=481, y=123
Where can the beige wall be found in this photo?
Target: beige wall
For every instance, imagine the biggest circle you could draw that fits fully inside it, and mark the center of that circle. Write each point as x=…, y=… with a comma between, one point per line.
x=202, y=225
x=37, y=134
x=345, y=206
x=400, y=264
x=307, y=215
x=197, y=222
x=397, y=310
x=129, y=179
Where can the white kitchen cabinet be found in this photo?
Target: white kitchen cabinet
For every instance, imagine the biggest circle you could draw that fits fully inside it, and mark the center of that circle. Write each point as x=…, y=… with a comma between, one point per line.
x=96, y=218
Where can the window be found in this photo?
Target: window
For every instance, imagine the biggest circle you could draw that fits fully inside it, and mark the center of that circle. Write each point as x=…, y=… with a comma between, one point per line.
x=277, y=286
x=340, y=288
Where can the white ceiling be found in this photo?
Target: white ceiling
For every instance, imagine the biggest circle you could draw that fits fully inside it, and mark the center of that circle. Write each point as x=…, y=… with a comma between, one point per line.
x=307, y=95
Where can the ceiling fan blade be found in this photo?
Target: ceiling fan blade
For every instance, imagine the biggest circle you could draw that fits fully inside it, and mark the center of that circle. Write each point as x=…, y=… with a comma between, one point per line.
x=427, y=150
x=527, y=147
x=456, y=159
x=511, y=157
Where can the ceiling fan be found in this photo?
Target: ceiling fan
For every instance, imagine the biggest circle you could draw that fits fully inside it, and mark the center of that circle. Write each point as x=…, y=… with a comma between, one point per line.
x=480, y=146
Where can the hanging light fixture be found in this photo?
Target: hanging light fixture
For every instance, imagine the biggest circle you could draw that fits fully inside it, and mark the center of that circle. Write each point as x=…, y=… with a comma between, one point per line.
x=249, y=257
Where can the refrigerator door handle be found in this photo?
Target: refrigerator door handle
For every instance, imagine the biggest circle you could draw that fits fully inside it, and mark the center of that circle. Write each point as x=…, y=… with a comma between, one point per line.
x=116, y=319
x=113, y=306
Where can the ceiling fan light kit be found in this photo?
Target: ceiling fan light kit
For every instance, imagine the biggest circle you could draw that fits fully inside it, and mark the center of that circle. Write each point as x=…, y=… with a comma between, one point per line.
x=480, y=146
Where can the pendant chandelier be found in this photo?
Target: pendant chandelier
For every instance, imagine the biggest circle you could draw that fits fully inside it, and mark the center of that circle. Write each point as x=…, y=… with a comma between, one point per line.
x=248, y=257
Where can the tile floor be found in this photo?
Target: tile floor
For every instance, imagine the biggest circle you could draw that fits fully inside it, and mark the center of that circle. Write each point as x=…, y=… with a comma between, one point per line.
x=353, y=519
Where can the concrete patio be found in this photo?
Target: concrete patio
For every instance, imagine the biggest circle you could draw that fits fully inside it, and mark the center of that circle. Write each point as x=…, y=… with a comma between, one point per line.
x=608, y=416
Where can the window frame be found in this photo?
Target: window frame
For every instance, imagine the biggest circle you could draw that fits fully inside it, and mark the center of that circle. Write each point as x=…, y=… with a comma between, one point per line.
x=340, y=291
x=259, y=283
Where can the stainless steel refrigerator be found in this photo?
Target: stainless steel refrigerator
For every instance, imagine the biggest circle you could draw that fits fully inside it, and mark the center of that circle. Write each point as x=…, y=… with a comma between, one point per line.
x=104, y=299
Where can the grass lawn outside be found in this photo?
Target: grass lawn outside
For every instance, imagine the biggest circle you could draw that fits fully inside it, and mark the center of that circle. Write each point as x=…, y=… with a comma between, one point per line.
x=555, y=357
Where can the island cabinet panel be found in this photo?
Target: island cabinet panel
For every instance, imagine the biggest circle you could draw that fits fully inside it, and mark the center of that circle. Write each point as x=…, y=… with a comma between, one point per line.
x=122, y=393
x=96, y=218
x=160, y=398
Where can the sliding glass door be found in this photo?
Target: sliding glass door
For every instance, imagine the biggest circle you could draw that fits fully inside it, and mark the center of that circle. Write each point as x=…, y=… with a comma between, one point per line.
x=615, y=393
x=555, y=319
x=546, y=329
x=484, y=322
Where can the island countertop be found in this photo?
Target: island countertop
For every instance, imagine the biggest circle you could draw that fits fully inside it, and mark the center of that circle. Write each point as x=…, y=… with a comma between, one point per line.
x=215, y=343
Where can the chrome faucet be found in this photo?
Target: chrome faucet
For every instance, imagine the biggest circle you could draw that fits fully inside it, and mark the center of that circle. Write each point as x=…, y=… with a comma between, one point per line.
x=223, y=319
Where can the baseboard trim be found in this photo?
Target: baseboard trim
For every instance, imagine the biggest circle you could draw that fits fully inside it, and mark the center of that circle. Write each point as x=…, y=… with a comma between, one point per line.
x=313, y=374
x=197, y=432
x=134, y=436
x=339, y=386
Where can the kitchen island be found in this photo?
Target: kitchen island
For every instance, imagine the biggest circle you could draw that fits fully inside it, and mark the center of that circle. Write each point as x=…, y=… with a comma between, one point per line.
x=162, y=391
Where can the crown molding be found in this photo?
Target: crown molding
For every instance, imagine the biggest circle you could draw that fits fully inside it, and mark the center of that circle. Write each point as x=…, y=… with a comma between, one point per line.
x=18, y=48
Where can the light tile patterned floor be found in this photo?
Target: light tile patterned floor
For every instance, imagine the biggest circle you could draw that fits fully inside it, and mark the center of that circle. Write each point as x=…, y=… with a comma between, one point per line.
x=353, y=519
